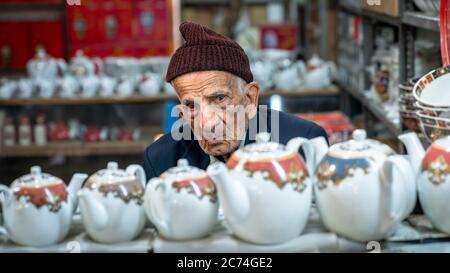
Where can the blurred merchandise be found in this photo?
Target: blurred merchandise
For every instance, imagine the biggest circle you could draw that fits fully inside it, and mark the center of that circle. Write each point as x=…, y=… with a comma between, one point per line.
x=336, y=124
x=40, y=131
x=58, y=132
x=25, y=133
x=9, y=132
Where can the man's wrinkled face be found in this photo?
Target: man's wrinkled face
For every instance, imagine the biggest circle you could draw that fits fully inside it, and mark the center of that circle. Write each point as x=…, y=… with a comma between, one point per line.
x=218, y=107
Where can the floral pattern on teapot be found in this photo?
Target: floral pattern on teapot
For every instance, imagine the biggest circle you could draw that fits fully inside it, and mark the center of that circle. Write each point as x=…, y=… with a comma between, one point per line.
x=52, y=193
x=201, y=187
x=336, y=170
x=51, y=196
x=437, y=164
x=126, y=190
x=292, y=165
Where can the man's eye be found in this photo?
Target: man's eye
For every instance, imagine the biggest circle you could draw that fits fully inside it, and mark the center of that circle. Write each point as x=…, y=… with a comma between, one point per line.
x=220, y=98
x=189, y=105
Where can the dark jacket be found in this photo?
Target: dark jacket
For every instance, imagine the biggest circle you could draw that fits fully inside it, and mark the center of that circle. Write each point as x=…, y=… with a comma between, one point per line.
x=164, y=153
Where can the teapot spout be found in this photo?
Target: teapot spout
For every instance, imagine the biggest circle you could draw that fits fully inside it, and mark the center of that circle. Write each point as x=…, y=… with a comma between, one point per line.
x=75, y=185
x=415, y=150
x=93, y=211
x=232, y=194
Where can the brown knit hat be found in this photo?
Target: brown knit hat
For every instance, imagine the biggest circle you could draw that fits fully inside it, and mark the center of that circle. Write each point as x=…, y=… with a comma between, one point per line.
x=206, y=50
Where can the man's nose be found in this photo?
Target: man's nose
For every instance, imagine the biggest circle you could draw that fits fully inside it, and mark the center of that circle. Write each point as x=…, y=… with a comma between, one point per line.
x=209, y=118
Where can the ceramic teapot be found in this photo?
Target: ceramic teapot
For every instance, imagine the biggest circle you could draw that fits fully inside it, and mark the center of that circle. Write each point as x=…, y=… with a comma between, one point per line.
x=432, y=169
x=265, y=190
x=38, y=207
x=42, y=66
x=320, y=73
x=150, y=84
x=182, y=203
x=363, y=188
x=81, y=65
x=111, y=204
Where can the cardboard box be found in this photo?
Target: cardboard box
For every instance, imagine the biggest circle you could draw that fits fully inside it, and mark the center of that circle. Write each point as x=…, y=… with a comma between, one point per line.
x=388, y=7
x=283, y=36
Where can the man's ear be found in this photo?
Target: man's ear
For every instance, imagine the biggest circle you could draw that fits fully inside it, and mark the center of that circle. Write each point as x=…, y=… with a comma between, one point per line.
x=180, y=111
x=252, y=94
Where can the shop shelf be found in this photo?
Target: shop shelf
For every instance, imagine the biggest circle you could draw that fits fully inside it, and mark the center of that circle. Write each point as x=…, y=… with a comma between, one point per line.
x=76, y=149
x=379, y=17
x=330, y=91
x=375, y=109
x=422, y=20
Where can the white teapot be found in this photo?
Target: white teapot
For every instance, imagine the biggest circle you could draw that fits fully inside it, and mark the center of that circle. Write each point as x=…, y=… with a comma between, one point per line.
x=150, y=84
x=38, y=207
x=363, y=189
x=182, y=203
x=111, y=204
x=432, y=169
x=265, y=190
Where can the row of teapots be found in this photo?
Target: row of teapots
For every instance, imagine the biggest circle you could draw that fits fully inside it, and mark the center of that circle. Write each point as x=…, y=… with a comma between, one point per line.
x=362, y=189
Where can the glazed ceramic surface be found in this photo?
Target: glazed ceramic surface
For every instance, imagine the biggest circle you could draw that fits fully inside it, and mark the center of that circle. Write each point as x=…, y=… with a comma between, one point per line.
x=111, y=204
x=363, y=190
x=432, y=89
x=37, y=208
x=433, y=177
x=182, y=203
x=265, y=190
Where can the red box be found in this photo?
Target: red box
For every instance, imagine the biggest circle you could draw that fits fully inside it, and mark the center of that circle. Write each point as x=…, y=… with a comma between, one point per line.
x=14, y=44
x=83, y=22
x=153, y=20
x=279, y=36
x=49, y=35
x=336, y=124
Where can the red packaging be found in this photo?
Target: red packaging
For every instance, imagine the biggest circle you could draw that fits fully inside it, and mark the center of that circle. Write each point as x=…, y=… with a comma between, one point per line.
x=49, y=35
x=83, y=22
x=336, y=124
x=14, y=44
x=279, y=36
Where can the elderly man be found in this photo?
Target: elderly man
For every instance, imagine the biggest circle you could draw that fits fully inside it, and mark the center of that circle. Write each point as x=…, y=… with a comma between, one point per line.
x=219, y=105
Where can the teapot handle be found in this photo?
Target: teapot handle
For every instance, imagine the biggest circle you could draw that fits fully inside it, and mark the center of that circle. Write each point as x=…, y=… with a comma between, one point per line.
x=139, y=172
x=5, y=197
x=156, y=205
x=399, y=188
x=308, y=148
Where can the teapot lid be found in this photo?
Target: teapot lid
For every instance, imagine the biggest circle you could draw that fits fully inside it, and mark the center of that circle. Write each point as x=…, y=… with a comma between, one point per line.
x=360, y=147
x=112, y=174
x=183, y=171
x=443, y=143
x=36, y=179
x=263, y=149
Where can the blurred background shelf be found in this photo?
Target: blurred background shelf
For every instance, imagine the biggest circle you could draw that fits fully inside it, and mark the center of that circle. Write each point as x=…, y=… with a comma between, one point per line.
x=76, y=149
x=374, y=109
x=331, y=91
x=422, y=20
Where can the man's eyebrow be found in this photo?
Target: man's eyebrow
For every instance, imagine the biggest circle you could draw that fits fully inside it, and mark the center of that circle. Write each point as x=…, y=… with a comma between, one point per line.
x=218, y=93
x=186, y=101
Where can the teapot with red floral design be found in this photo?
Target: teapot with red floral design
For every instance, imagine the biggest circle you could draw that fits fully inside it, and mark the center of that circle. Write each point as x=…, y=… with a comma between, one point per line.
x=38, y=207
x=432, y=169
x=265, y=189
x=182, y=203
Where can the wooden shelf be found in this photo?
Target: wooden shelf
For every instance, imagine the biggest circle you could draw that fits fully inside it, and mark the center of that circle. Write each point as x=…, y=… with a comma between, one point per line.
x=331, y=91
x=76, y=148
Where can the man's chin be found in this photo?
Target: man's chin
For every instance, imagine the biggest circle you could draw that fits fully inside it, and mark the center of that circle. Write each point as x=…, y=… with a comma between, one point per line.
x=216, y=148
